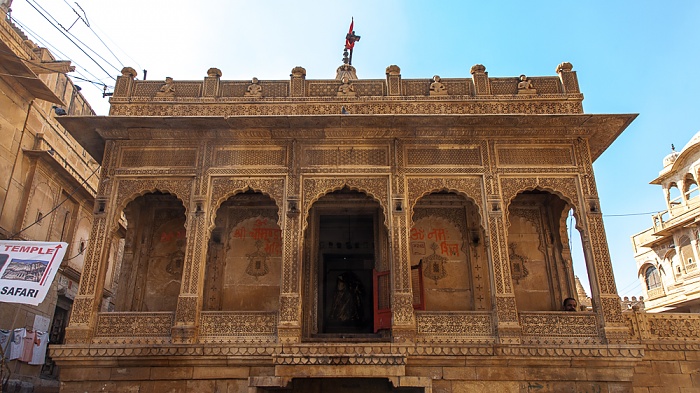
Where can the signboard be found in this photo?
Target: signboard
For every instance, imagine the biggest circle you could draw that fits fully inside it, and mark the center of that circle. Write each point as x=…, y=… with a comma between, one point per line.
x=27, y=269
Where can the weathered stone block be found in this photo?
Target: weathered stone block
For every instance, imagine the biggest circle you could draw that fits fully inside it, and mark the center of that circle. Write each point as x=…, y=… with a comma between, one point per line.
x=171, y=372
x=85, y=374
x=496, y=373
x=220, y=372
x=463, y=373
x=130, y=373
x=610, y=374
x=666, y=367
x=485, y=386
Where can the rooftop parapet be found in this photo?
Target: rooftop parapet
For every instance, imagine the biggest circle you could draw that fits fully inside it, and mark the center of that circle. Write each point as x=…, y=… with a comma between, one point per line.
x=479, y=94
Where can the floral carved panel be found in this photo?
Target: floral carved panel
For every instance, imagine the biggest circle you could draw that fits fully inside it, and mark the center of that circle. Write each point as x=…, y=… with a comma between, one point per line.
x=238, y=326
x=548, y=324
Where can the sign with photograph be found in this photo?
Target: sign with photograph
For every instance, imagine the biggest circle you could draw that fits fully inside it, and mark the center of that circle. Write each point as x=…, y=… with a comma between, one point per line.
x=27, y=269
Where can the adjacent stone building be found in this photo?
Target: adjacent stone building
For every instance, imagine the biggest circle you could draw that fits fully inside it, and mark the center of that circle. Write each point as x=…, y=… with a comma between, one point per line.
x=48, y=184
x=667, y=253
x=374, y=235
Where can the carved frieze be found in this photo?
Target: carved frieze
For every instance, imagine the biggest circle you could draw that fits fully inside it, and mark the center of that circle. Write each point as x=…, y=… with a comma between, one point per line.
x=364, y=106
x=534, y=156
x=229, y=325
x=471, y=324
x=133, y=324
x=557, y=324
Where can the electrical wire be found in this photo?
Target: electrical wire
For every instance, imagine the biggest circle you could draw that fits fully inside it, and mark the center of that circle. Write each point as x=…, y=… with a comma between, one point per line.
x=93, y=31
x=57, y=206
x=73, y=42
x=630, y=214
x=40, y=40
x=71, y=34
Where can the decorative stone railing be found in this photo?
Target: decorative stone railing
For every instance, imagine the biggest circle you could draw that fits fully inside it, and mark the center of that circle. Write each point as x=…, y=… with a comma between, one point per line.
x=656, y=293
x=133, y=327
x=235, y=326
x=454, y=327
x=663, y=327
x=484, y=95
x=545, y=326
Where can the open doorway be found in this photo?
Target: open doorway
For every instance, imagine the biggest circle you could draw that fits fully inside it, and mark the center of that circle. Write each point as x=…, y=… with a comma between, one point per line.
x=345, y=249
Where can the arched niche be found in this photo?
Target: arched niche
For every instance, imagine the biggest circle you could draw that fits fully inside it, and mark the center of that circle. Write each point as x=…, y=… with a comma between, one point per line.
x=447, y=251
x=244, y=255
x=539, y=251
x=154, y=251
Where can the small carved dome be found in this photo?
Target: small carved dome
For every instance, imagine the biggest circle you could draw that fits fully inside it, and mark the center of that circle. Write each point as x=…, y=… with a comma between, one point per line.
x=393, y=70
x=565, y=66
x=478, y=68
x=129, y=72
x=299, y=72
x=214, y=73
x=671, y=158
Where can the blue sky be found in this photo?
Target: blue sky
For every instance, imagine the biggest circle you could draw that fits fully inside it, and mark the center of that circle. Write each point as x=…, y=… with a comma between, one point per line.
x=631, y=57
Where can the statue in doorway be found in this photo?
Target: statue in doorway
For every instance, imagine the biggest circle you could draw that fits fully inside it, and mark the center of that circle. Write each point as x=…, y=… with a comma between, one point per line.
x=347, y=299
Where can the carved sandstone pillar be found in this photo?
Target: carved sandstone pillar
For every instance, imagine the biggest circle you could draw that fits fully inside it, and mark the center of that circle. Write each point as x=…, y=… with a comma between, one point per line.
x=289, y=327
x=189, y=302
x=211, y=83
x=568, y=78
x=508, y=326
x=85, y=305
x=124, y=85
x=298, y=82
x=393, y=80
x=481, y=80
x=606, y=301
x=403, y=318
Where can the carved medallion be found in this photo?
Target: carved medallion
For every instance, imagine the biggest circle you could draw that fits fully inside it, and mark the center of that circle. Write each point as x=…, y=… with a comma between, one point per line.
x=517, y=264
x=257, y=262
x=434, y=268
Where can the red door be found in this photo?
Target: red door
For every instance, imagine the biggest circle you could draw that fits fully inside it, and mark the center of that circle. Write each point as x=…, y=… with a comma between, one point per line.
x=382, y=300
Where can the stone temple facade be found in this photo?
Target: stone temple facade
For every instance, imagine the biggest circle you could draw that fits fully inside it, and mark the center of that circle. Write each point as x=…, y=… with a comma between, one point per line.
x=355, y=235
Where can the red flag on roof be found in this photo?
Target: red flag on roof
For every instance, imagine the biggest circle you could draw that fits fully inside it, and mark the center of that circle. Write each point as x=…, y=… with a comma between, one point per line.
x=349, y=39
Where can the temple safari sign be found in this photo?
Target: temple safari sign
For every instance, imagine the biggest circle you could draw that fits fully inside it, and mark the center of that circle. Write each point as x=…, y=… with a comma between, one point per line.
x=27, y=269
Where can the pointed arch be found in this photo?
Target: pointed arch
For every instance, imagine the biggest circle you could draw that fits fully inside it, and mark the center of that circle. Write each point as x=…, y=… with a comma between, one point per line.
x=315, y=188
x=222, y=188
x=565, y=188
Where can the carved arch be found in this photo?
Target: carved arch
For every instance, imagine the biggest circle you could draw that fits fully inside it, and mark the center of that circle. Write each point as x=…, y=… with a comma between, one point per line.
x=224, y=188
x=314, y=189
x=470, y=188
x=128, y=190
x=564, y=188
x=647, y=264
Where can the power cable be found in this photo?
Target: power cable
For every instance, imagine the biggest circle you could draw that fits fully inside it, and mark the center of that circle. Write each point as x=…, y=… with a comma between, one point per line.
x=93, y=31
x=71, y=34
x=73, y=42
x=630, y=214
x=55, y=50
x=57, y=206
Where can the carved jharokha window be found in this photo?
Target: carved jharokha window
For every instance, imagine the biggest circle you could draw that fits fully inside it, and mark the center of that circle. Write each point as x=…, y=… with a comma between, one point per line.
x=652, y=278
